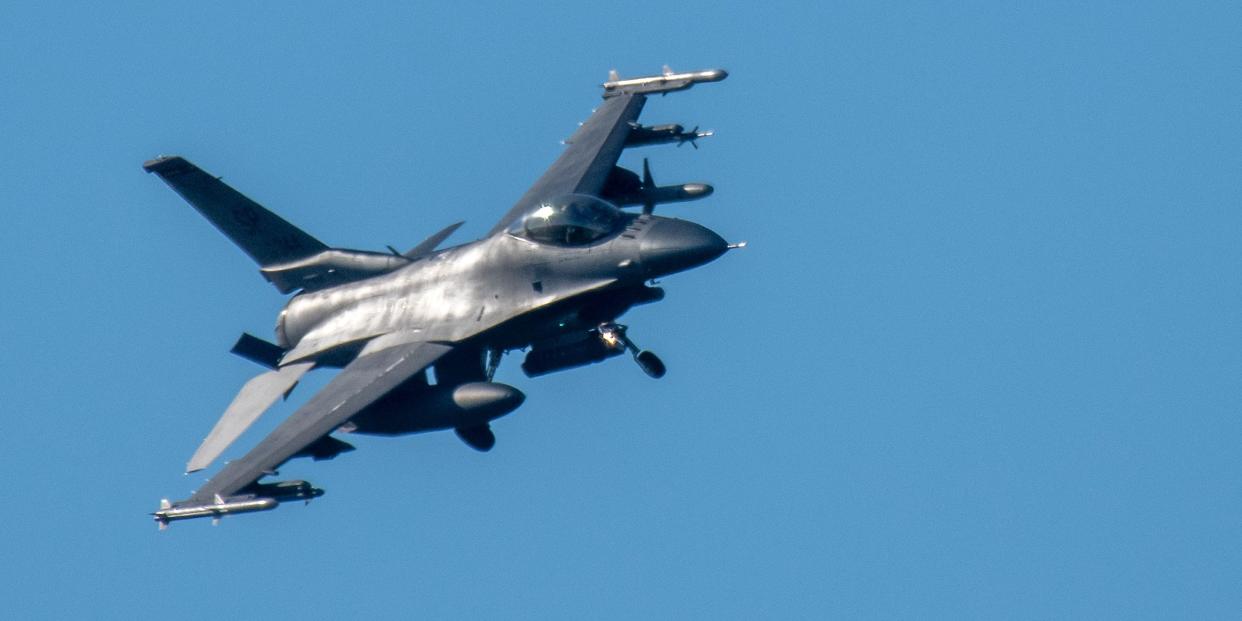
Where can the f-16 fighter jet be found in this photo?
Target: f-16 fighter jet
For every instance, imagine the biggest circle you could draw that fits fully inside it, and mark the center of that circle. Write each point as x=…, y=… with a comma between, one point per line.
x=418, y=335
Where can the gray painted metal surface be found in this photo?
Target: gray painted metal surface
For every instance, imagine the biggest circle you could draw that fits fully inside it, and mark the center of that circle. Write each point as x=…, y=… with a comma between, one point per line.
x=552, y=275
x=256, y=396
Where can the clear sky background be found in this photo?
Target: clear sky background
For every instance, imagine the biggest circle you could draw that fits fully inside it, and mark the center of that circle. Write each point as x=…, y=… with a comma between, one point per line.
x=981, y=359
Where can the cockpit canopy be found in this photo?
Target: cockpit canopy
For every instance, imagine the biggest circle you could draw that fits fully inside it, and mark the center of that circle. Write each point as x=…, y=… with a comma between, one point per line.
x=569, y=220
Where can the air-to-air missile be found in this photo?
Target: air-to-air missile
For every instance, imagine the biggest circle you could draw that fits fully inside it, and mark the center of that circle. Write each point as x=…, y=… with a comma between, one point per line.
x=260, y=497
x=666, y=82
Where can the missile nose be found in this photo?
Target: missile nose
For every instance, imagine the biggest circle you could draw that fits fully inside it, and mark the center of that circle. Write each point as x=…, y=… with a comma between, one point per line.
x=671, y=245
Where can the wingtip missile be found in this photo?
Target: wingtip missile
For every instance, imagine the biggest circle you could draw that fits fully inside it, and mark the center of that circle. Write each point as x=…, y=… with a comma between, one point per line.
x=263, y=497
x=666, y=82
x=711, y=75
x=213, y=510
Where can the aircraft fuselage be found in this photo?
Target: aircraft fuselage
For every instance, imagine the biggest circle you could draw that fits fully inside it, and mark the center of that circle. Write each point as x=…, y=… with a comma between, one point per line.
x=479, y=286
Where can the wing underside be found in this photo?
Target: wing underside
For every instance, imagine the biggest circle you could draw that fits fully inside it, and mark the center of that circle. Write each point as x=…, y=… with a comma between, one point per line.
x=382, y=366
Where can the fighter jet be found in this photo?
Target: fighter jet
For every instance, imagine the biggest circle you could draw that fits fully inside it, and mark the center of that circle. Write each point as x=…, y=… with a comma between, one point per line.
x=418, y=335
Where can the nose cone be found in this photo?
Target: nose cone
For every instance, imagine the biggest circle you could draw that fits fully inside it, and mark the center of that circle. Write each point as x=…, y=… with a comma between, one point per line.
x=671, y=246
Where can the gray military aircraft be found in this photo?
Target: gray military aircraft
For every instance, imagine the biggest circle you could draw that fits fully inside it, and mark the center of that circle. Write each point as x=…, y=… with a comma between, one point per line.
x=419, y=334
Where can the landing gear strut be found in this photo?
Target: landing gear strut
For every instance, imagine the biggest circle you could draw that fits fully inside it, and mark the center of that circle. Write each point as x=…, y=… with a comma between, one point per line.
x=647, y=361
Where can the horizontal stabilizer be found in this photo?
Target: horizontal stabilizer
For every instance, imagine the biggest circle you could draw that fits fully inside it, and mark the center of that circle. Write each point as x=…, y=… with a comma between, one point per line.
x=258, y=351
x=255, y=398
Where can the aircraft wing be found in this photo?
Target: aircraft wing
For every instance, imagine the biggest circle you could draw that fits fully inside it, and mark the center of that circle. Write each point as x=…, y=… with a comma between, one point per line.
x=589, y=158
x=384, y=364
x=265, y=236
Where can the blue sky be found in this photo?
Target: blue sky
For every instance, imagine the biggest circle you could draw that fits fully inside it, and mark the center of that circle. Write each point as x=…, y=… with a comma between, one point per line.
x=981, y=359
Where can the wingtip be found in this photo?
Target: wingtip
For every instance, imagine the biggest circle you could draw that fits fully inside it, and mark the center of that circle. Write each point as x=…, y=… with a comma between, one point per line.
x=162, y=162
x=199, y=461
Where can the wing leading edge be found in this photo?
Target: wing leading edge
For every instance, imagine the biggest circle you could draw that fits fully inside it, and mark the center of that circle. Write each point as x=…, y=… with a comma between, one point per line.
x=587, y=160
x=593, y=150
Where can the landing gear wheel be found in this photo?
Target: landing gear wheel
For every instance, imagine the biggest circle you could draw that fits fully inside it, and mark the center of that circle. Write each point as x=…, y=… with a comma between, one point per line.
x=647, y=360
x=650, y=364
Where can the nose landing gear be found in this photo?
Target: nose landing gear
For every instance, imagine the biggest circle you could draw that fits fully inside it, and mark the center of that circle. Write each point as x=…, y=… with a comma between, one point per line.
x=650, y=363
